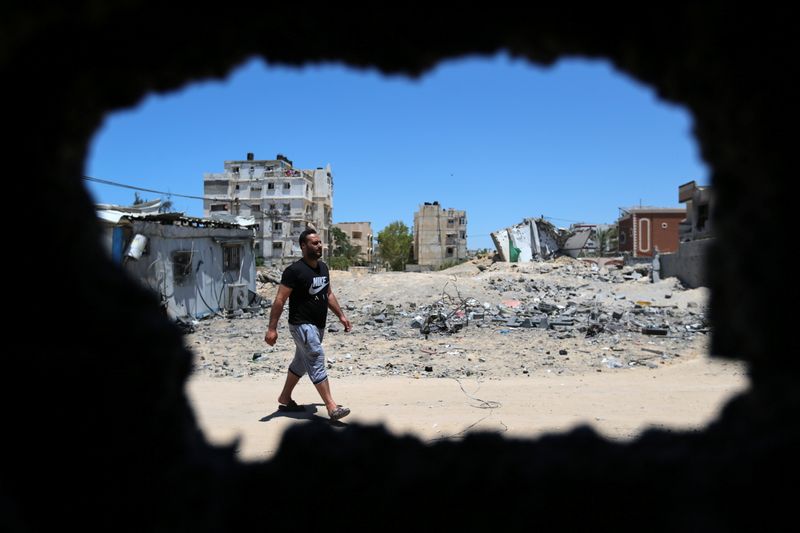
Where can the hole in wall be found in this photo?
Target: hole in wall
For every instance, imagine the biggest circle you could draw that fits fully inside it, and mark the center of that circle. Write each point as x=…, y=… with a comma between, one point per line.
x=495, y=137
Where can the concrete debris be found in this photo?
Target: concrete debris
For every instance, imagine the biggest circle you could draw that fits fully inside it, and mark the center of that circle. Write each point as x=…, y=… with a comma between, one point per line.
x=476, y=323
x=537, y=240
x=269, y=276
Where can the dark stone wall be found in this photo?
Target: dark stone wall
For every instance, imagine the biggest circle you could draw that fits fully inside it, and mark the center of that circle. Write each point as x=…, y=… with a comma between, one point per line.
x=98, y=432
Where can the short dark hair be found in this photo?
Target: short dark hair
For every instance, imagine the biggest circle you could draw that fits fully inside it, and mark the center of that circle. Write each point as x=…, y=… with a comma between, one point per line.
x=305, y=234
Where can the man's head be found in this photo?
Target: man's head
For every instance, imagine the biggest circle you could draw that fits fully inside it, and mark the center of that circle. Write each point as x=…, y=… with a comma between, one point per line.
x=310, y=244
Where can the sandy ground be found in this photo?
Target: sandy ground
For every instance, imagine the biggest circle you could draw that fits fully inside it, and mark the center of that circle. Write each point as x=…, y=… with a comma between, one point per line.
x=618, y=403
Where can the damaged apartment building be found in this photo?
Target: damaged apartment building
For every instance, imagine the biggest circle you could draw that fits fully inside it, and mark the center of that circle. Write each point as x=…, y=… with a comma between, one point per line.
x=440, y=236
x=282, y=200
x=695, y=235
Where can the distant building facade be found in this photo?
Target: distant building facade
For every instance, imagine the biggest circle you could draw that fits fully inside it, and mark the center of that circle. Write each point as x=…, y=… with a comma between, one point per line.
x=360, y=234
x=440, y=235
x=283, y=200
x=643, y=230
x=696, y=237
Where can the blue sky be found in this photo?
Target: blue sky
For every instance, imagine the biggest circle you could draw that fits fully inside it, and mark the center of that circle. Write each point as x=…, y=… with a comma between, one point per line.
x=499, y=137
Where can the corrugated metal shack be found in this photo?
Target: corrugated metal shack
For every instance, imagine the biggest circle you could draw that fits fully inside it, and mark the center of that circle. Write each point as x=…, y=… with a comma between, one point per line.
x=197, y=266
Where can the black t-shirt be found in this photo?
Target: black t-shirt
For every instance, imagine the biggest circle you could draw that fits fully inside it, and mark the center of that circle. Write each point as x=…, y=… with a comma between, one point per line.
x=308, y=302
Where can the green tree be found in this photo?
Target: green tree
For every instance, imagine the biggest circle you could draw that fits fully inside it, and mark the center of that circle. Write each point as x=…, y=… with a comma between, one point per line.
x=394, y=242
x=338, y=263
x=606, y=240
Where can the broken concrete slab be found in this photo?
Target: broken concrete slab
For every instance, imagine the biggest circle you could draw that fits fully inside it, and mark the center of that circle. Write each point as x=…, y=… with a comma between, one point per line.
x=576, y=243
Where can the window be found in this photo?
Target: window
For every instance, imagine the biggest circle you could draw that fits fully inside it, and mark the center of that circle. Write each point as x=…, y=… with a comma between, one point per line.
x=286, y=208
x=664, y=225
x=644, y=235
x=702, y=217
x=356, y=234
x=462, y=221
x=237, y=186
x=181, y=267
x=219, y=207
x=287, y=185
x=270, y=186
x=450, y=252
x=231, y=257
x=277, y=246
x=277, y=226
x=295, y=224
x=463, y=234
x=451, y=222
x=255, y=208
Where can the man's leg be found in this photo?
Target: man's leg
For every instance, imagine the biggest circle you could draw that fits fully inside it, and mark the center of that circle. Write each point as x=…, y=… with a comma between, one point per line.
x=334, y=411
x=315, y=362
x=288, y=387
x=296, y=369
x=324, y=390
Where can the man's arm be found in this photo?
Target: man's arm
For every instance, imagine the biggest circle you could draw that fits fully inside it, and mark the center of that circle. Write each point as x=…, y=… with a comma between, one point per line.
x=333, y=305
x=275, y=314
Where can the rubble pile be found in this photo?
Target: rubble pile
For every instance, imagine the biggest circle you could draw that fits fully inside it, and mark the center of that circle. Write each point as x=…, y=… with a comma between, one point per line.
x=563, y=315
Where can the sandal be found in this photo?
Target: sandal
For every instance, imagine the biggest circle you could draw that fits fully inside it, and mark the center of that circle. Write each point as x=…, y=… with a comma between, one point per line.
x=291, y=407
x=339, y=412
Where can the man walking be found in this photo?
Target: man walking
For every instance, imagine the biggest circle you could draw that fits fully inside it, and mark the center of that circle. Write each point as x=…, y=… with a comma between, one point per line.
x=306, y=283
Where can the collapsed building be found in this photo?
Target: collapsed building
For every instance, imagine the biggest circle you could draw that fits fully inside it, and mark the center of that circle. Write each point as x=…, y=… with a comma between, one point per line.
x=538, y=240
x=687, y=263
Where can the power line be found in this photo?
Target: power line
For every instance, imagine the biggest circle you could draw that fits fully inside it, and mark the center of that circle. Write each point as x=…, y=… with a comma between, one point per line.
x=107, y=182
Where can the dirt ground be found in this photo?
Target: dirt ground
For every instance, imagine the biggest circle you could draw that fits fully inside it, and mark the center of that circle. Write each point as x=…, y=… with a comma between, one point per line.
x=488, y=376
x=619, y=404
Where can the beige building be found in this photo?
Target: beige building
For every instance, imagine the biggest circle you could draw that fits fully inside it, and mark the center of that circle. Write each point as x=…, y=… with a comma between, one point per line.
x=360, y=234
x=440, y=235
x=283, y=200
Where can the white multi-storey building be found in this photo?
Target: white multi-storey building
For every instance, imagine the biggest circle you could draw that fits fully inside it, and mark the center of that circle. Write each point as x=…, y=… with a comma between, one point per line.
x=283, y=200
